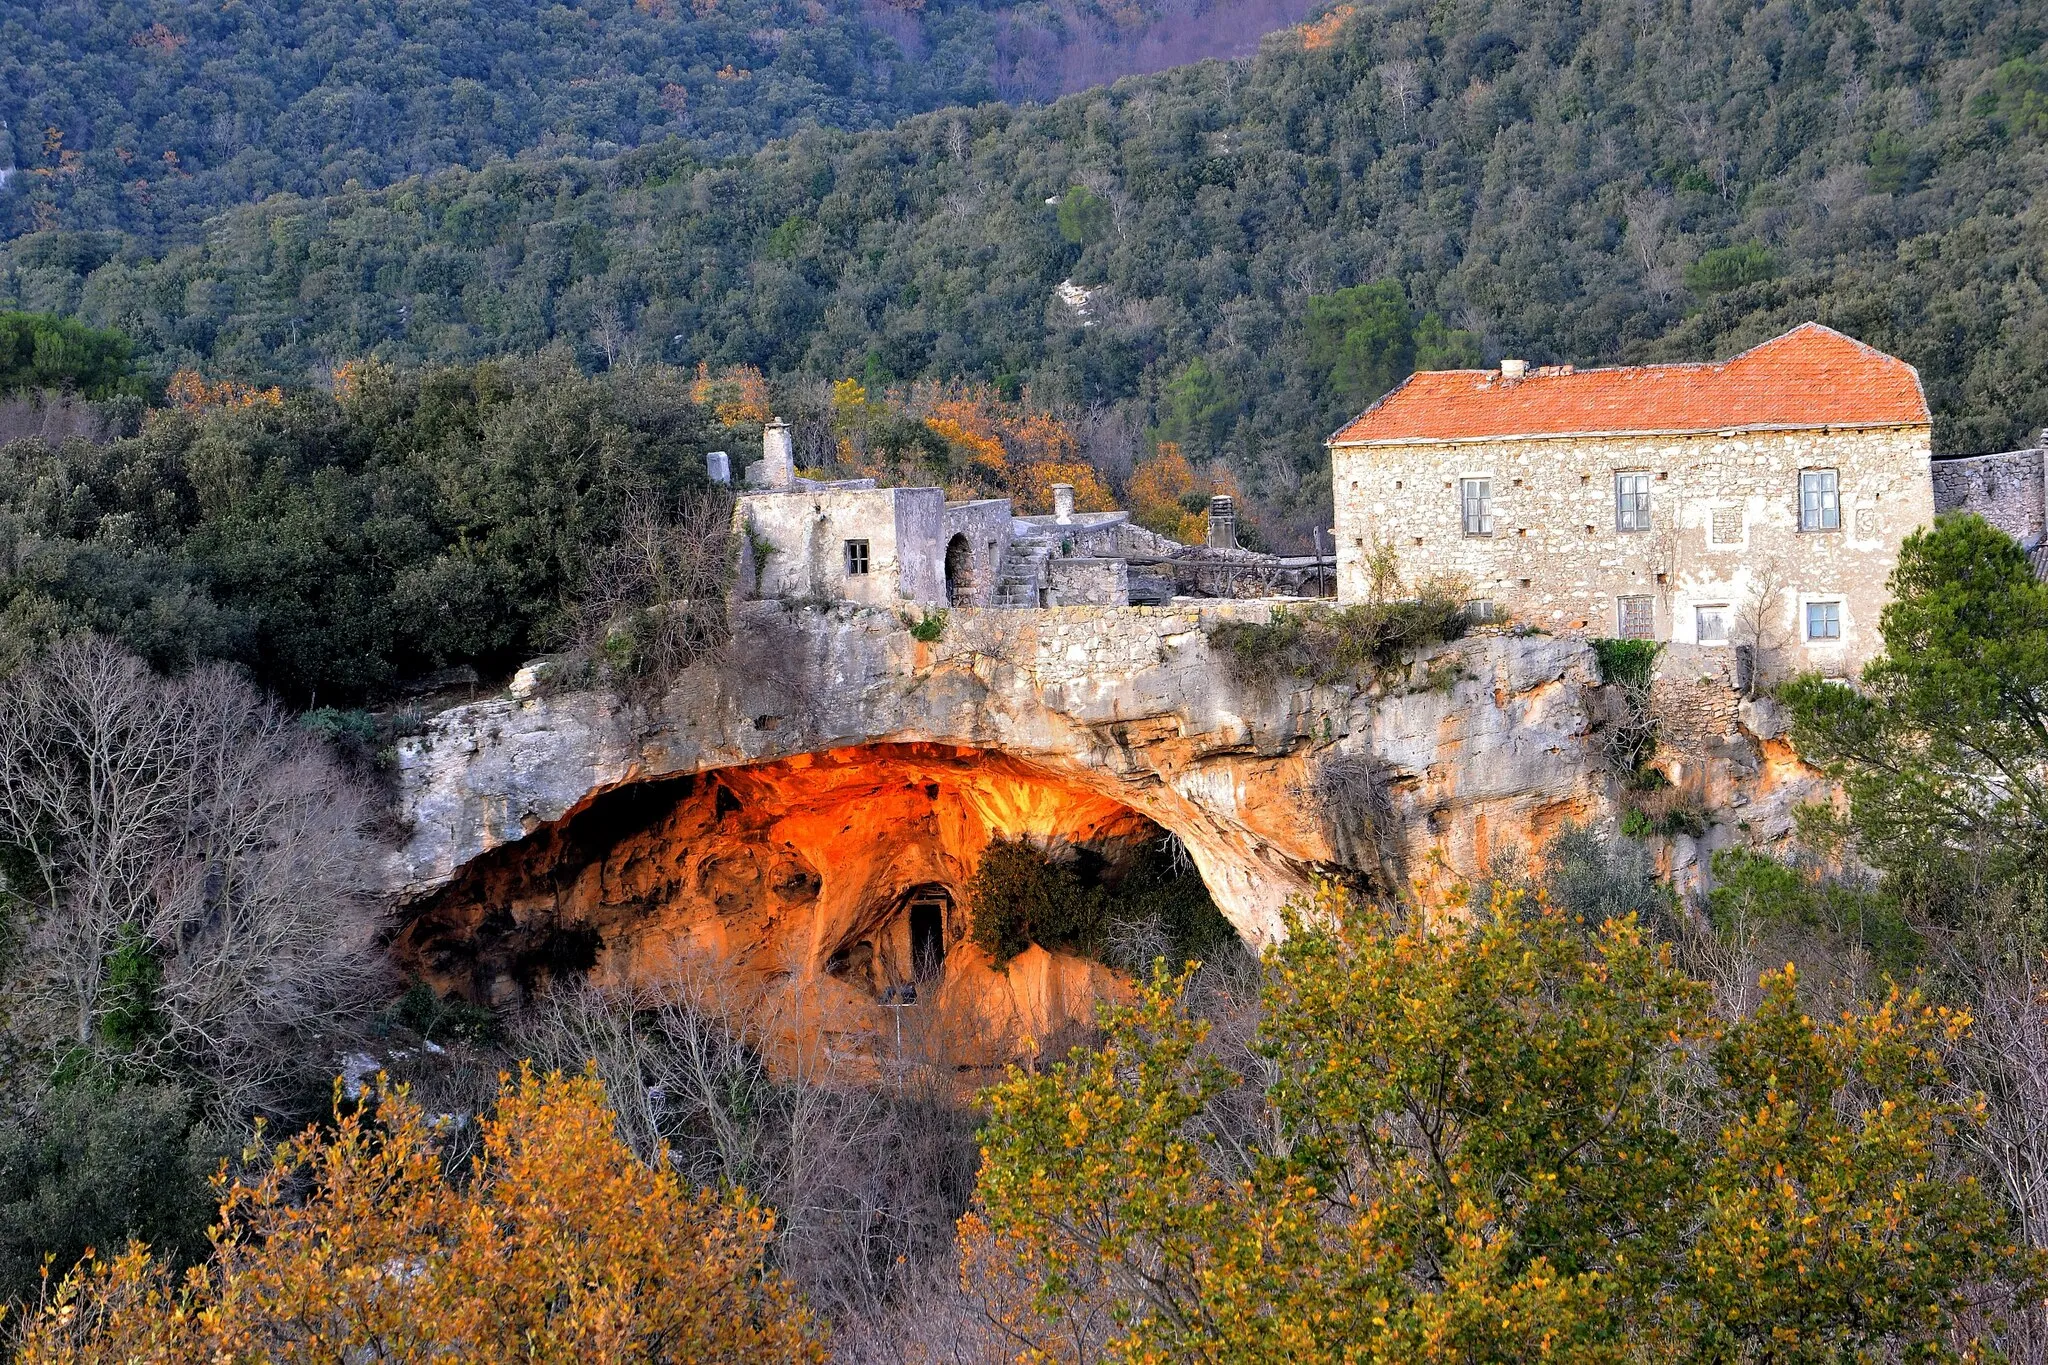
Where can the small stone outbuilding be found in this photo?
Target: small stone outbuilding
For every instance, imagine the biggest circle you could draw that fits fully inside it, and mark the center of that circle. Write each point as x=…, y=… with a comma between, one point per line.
x=1758, y=501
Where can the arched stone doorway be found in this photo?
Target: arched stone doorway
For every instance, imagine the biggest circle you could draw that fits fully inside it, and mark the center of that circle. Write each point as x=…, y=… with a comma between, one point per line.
x=962, y=585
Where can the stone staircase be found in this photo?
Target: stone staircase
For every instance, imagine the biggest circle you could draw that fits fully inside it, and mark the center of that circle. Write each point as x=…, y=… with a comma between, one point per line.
x=1023, y=573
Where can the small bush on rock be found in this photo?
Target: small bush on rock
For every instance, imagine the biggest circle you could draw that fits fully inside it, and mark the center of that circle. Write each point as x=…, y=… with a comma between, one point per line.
x=1324, y=646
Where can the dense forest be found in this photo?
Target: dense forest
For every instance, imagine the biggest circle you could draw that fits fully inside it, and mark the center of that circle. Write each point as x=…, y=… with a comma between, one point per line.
x=1254, y=249
x=151, y=116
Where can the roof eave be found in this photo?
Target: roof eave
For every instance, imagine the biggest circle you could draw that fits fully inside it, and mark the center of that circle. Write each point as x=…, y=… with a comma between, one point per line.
x=1599, y=433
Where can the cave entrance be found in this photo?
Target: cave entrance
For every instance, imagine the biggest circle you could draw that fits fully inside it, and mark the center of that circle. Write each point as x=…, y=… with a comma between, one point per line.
x=928, y=907
x=842, y=874
x=959, y=572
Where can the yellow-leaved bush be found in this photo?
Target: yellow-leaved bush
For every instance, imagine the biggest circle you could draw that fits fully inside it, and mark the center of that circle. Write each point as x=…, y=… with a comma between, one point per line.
x=353, y=1243
x=1510, y=1138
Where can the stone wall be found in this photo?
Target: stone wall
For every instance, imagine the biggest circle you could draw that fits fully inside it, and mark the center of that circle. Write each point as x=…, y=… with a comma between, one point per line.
x=1724, y=532
x=983, y=526
x=2008, y=490
x=805, y=532
x=1088, y=582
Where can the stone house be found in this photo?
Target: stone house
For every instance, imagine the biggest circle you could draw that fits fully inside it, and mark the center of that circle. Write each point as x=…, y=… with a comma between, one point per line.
x=1758, y=501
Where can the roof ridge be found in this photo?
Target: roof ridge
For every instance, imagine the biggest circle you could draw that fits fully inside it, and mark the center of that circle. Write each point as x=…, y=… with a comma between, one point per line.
x=1808, y=376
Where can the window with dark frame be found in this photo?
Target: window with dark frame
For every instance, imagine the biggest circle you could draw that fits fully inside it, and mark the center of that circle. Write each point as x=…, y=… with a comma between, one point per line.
x=1820, y=500
x=1823, y=620
x=856, y=557
x=1476, y=499
x=1636, y=618
x=1632, y=502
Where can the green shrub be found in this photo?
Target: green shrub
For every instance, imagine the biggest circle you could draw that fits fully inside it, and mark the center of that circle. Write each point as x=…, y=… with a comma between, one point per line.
x=1750, y=886
x=1324, y=646
x=432, y=1016
x=1627, y=663
x=929, y=627
x=1731, y=267
x=94, y=1164
x=40, y=352
x=1077, y=899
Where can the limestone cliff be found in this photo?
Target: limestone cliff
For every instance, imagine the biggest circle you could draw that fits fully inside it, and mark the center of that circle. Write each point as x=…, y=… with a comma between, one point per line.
x=789, y=811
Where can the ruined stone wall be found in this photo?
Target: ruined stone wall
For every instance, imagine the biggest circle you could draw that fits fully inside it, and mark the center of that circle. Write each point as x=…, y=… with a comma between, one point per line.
x=2008, y=490
x=1724, y=531
x=984, y=525
x=1088, y=582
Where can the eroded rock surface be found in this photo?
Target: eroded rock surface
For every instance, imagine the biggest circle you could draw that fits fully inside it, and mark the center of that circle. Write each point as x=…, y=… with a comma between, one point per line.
x=781, y=810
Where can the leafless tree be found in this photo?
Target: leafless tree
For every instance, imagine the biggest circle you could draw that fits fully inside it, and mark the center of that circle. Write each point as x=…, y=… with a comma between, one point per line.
x=656, y=600
x=1759, y=623
x=866, y=1168
x=190, y=822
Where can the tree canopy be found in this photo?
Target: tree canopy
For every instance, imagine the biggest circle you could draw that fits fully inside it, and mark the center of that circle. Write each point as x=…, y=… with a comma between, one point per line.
x=1944, y=746
x=1602, y=184
x=1491, y=1141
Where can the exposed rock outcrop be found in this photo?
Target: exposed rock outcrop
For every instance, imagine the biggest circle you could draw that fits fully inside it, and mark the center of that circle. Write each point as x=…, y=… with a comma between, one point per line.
x=782, y=808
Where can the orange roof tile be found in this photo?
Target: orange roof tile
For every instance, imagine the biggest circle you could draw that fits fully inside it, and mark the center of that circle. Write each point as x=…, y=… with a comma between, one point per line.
x=1812, y=376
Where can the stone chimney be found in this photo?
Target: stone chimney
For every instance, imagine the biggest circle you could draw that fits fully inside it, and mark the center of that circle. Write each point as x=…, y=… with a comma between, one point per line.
x=719, y=466
x=1063, y=503
x=778, y=461
x=1513, y=369
x=1222, y=523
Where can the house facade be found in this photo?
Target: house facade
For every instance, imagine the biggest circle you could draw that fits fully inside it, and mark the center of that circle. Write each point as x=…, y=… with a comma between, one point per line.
x=1756, y=502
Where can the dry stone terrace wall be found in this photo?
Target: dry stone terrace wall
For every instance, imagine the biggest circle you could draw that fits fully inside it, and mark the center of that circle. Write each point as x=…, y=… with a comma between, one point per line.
x=1724, y=529
x=1129, y=703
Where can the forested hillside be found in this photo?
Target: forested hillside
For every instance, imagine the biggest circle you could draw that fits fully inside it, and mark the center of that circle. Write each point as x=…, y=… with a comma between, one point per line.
x=1259, y=247
x=150, y=116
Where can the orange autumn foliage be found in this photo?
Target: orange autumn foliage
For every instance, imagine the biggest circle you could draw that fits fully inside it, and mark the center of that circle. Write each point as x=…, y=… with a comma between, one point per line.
x=1032, y=488
x=191, y=391
x=354, y=1245
x=737, y=396
x=1169, y=496
x=984, y=452
x=1323, y=32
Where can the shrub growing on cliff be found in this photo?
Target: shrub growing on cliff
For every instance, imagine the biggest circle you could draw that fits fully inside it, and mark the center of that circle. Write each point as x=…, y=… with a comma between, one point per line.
x=1325, y=646
x=354, y=1243
x=1079, y=900
x=1473, y=1149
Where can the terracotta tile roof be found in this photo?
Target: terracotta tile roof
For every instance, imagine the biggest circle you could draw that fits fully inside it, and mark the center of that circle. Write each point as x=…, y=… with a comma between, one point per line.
x=1812, y=376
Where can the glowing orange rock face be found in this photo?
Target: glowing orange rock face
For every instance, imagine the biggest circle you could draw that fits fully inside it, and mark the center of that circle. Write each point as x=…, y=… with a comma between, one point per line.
x=827, y=890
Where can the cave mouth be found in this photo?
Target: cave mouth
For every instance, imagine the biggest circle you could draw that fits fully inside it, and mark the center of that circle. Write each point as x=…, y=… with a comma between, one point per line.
x=847, y=872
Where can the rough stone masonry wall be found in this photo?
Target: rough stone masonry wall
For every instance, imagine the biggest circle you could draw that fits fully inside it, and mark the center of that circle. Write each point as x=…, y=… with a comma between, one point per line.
x=2008, y=490
x=1725, y=530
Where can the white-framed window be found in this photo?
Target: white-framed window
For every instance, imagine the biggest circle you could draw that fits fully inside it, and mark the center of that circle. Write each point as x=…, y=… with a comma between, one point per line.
x=1475, y=500
x=856, y=558
x=1632, y=502
x=1820, y=500
x=1823, y=620
x=1635, y=618
x=1710, y=624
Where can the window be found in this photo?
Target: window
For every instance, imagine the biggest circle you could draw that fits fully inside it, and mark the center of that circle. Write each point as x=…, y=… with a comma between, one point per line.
x=1638, y=618
x=856, y=557
x=1631, y=502
x=1823, y=620
x=1820, y=500
x=1477, y=499
x=1727, y=526
x=1711, y=625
